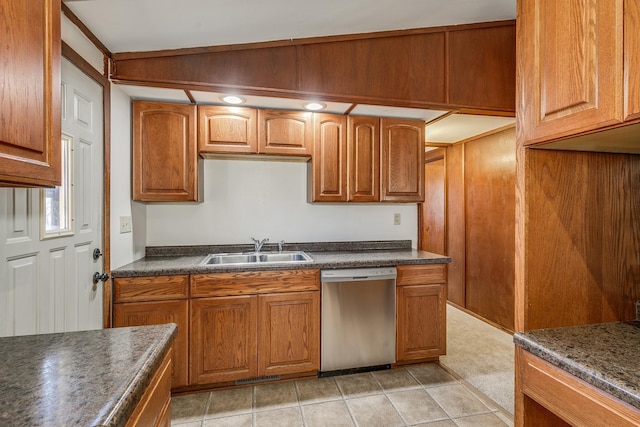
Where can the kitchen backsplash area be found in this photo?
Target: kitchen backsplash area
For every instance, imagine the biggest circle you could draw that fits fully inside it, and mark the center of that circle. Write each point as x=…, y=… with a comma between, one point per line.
x=268, y=199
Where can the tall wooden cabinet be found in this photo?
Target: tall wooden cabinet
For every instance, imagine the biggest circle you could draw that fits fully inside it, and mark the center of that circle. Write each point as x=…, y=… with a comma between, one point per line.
x=141, y=301
x=402, y=160
x=329, y=164
x=363, y=158
x=377, y=159
x=165, y=157
x=421, y=297
x=30, y=122
x=570, y=63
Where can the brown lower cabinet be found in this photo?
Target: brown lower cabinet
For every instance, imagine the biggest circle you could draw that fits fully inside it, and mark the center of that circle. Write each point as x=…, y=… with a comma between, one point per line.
x=141, y=301
x=421, y=296
x=154, y=407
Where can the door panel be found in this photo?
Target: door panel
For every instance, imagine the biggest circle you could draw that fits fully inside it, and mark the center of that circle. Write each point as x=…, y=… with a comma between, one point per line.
x=46, y=283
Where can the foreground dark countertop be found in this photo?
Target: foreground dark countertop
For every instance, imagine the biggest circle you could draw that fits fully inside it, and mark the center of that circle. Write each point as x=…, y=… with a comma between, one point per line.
x=187, y=260
x=88, y=378
x=605, y=355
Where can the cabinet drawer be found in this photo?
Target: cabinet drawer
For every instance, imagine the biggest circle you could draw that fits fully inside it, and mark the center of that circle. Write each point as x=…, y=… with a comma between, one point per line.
x=156, y=288
x=421, y=274
x=570, y=398
x=259, y=282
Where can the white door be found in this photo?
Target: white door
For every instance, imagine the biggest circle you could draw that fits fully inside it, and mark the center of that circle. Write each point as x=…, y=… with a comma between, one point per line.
x=47, y=239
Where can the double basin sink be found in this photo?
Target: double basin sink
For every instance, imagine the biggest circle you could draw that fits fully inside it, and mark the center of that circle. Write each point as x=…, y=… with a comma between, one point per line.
x=256, y=258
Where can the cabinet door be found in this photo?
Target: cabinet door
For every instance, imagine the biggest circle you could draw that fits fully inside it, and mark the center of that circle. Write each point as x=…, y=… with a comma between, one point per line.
x=288, y=133
x=30, y=122
x=363, y=154
x=157, y=313
x=289, y=333
x=165, y=159
x=569, y=67
x=227, y=129
x=402, y=160
x=329, y=163
x=632, y=59
x=223, y=339
x=421, y=317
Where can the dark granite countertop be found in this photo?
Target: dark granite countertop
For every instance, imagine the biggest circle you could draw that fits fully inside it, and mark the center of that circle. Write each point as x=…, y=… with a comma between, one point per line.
x=186, y=260
x=605, y=355
x=88, y=378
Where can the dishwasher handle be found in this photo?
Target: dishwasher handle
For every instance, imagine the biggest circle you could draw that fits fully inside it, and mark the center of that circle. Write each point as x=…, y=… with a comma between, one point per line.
x=358, y=275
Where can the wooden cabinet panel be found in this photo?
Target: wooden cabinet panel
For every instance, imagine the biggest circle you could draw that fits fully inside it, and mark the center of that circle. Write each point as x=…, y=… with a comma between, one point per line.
x=329, y=163
x=288, y=133
x=432, y=213
x=421, y=317
x=288, y=333
x=570, y=71
x=402, y=162
x=254, y=282
x=392, y=68
x=223, y=339
x=157, y=313
x=456, y=219
x=363, y=157
x=156, y=288
x=568, y=397
x=165, y=159
x=227, y=129
x=490, y=176
x=30, y=112
x=421, y=274
x=483, y=77
x=153, y=409
x=631, y=59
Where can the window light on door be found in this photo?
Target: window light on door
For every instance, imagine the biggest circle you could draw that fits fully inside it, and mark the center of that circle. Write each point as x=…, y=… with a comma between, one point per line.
x=56, y=204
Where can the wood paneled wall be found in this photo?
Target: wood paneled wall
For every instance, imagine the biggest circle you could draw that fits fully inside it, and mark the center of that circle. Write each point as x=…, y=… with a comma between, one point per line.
x=481, y=226
x=468, y=67
x=432, y=213
x=456, y=218
x=581, y=238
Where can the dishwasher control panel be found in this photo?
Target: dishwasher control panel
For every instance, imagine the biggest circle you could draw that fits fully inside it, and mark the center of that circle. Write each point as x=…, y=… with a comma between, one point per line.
x=375, y=273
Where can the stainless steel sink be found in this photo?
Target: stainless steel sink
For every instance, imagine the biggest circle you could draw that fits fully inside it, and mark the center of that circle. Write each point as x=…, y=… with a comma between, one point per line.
x=255, y=258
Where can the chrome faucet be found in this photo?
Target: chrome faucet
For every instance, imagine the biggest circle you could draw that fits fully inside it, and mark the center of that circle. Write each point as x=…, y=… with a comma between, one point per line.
x=257, y=244
x=280, y=245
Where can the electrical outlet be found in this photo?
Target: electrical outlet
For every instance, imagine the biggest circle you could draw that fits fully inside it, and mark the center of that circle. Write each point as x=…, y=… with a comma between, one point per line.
x=397, y=219
x=125, y=224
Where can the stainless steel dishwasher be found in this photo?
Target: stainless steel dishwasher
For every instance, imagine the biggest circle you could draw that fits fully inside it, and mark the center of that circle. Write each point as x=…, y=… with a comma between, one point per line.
x=358, y=320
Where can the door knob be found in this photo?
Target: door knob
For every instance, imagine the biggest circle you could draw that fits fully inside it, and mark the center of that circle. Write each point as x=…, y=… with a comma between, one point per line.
x=97, y=277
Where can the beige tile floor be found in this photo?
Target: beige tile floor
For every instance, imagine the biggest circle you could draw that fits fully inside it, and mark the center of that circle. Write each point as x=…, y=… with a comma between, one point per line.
x=417, y=395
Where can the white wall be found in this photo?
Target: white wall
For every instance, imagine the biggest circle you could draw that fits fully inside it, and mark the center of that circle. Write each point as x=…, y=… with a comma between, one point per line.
x=252, y=198
x=126, y=247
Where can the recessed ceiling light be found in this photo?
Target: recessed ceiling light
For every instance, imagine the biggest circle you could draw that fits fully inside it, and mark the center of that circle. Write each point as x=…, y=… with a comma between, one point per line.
x=233, y=99
x=315, y=106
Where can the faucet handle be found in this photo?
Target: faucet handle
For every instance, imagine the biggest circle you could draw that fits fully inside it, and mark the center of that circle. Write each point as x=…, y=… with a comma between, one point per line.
x=280, y=245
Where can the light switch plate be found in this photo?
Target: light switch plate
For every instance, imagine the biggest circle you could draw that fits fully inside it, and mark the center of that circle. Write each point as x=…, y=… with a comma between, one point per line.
x=125, y=224
x=397, y=219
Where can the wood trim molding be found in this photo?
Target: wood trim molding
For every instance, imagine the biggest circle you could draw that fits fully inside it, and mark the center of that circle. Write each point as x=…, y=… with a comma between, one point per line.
x=85, y=30
x=85, y=67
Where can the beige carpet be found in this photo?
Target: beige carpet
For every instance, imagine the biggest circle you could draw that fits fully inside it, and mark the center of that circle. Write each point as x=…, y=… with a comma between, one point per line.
x=482, y=355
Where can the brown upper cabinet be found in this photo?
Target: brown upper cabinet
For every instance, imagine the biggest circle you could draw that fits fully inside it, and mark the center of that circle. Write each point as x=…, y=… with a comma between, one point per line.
x=30, y=134
x=227, y=129
x=329, y=163
x=572, y=75
x=402, y=160
x=376, y=160
x=240, y=130
x=165, y=158
x=285, y=132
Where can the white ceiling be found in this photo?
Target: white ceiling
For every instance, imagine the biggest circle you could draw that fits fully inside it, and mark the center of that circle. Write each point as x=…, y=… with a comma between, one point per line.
x=140, y=25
